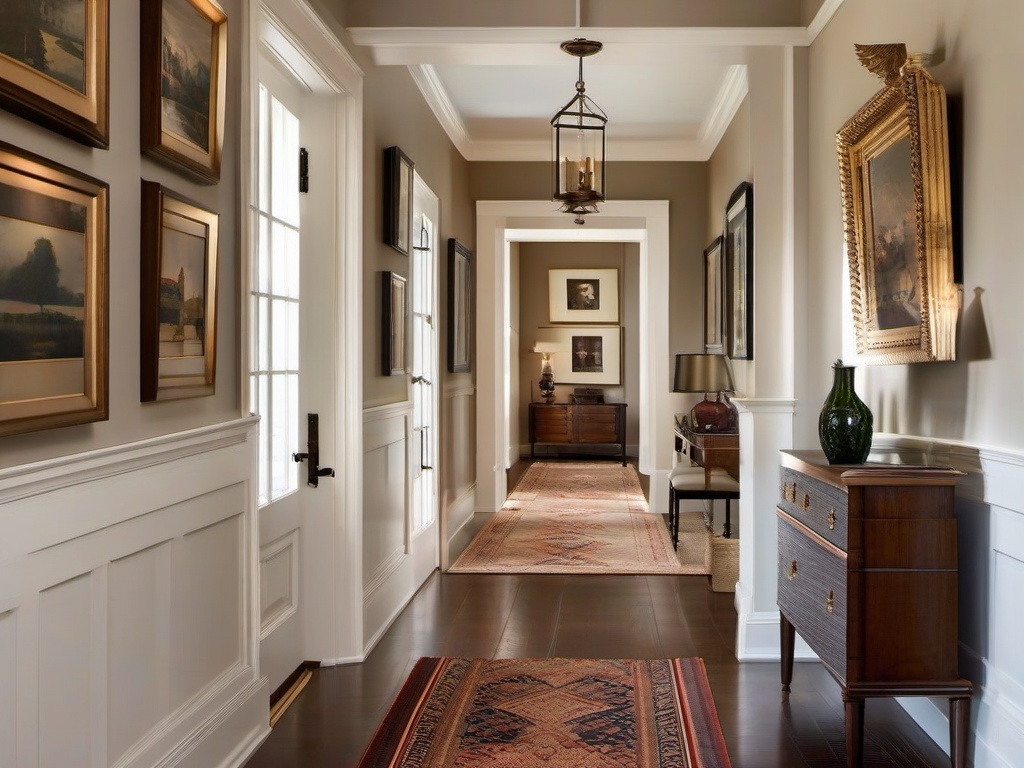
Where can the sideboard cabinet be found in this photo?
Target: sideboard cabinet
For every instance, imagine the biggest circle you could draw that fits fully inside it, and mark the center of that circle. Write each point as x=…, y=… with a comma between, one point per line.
x=867, y=574
x=578, y=425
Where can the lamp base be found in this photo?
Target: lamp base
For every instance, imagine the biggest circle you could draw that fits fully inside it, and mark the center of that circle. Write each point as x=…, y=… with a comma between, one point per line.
x=711, y=416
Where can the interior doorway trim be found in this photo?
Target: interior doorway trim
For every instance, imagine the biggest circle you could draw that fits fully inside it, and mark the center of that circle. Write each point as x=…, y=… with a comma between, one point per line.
x=501, y=223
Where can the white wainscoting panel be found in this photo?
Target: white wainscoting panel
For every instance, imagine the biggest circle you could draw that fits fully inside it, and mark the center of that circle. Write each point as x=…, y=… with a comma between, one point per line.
x=128, y=621
x=990, y=525
x=279, y=582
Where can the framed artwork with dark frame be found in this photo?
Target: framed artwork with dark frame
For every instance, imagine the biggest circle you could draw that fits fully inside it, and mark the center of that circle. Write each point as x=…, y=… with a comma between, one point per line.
x=894, y=174
x=583, y=295
x=53, y=295
x=460, y=307
x=585, y=355
x=738, y=244
x=184, y=80
x=713, y=297
x=398, y=169
x=54, y=66
x=178, y=296
x=392, y=324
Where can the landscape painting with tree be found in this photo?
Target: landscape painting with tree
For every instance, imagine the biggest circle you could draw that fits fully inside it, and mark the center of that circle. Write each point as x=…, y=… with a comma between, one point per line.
x=53, y=65
x=53, y=294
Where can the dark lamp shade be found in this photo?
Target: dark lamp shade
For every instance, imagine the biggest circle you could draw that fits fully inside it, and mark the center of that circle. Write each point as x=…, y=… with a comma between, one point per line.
x=702, y=373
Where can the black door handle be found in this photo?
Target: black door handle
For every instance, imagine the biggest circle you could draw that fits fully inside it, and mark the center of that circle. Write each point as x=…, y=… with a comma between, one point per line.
x=312, y=456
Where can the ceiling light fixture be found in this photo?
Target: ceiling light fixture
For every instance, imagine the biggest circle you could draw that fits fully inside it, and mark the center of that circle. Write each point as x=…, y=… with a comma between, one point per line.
x=577, y=142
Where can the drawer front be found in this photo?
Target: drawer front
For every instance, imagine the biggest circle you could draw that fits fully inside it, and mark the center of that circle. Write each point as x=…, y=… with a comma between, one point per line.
x=819, y=506
x=591, y=432
x=812, y=594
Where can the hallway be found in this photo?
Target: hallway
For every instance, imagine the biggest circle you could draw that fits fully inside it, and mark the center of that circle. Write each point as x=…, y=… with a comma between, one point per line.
x=591, y=616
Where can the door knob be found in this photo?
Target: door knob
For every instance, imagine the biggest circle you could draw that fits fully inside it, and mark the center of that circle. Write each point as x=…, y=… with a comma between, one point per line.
x=312, y=455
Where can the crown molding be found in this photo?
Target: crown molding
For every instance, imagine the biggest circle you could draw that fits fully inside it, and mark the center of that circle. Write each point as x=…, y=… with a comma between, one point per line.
x=437, y=98
x=821, y=19
x=730, y=96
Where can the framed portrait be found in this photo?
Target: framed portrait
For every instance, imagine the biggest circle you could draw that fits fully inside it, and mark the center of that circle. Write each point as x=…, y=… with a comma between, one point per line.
x=53, y=65
x=184, y=77
x=392, y=324
x=894, y=172
x=713, y=297
x=178, y=305
x=460, y=306
x=583, y=295
x=587, y=355
x=398, y=199
x=53, y=295
x=738, y=244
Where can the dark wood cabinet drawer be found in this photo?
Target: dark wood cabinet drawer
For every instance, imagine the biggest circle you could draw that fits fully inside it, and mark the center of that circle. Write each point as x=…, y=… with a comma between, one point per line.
x=812, y=593
x=821, y=507
x=579, y=424
x=598, y=432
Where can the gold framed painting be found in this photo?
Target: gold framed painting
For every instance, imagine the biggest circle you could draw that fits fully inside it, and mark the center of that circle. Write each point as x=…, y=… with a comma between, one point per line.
x=54, y=65
x=894, y=173
x=184, y=79
x=178, y=296
x=53, y=295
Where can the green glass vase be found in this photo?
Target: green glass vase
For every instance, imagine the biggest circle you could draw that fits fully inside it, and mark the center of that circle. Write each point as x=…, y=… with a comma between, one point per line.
x=844, y=425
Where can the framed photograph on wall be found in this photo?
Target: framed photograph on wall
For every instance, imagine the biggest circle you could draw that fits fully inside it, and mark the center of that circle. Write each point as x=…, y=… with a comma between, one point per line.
x=894, y=174
x=53, y=66
x=587, y=355
x=53, y=295
x=392, y=324
x=178, y=296
x=583, y=295
x=184, y=80
x=460, y=307
x=713, y=297
x=398, y=169
x=739, y=265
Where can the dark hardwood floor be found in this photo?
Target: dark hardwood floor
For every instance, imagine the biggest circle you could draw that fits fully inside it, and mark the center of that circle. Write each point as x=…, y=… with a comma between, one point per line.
x=334, y=718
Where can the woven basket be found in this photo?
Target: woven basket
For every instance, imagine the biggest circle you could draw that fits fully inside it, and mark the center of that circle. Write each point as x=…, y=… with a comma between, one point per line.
x=725, y=564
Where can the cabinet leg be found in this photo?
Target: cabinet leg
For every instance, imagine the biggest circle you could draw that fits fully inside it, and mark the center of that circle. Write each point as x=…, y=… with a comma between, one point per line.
x=787, y=639
x=959, y=718
x=854, y=731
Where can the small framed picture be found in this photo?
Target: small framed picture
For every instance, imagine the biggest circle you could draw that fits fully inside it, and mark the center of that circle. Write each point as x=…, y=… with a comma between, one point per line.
x=713, y=297
x=739, y=258
x=184, y=78
x=392, y=324
x=460, y=306
x=587, y=355
x=583, y=295
x=53, y=295
x=178, y=299
x=53, y=65
x=398, y=169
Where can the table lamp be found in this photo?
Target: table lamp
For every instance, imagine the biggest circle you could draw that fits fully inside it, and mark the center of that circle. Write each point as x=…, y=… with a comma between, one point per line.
x=705, y=374
x=547, y=379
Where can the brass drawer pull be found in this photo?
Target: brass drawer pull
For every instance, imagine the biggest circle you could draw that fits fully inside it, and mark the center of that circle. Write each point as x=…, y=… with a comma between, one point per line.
x=791, y=570
x=832, y=519
x=807, y=502
x=829, y=602
x=789, y=492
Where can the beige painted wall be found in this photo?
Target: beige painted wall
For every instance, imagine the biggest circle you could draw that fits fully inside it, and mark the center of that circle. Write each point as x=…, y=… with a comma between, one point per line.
x=122, y=167
x=684, y=185
x=979, y=58
x=534, y=262
x=595, y=13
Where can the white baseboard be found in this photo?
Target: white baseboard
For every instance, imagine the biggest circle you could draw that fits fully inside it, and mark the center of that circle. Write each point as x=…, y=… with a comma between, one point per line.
x=757, y=633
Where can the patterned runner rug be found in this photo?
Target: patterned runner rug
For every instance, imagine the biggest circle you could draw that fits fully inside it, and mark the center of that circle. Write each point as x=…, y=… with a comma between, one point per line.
x=562, y=713
x=583, y=518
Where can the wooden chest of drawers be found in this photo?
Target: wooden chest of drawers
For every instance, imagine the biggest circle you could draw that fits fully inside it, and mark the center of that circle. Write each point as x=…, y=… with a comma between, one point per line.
x=578, y=425
x=867, y=574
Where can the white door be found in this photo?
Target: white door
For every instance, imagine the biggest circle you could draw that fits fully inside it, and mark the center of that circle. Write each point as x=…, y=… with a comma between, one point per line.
x=292, y=359
x=425, y=381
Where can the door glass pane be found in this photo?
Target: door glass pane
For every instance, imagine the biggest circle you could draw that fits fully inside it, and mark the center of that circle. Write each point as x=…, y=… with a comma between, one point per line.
x=275, y=283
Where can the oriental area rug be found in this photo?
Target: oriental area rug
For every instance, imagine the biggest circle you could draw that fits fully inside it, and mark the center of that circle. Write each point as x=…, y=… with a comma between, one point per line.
x=561, y=713
x=583, y=517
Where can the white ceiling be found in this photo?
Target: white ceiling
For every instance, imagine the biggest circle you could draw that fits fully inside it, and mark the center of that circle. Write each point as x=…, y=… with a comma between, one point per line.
x=669, y=93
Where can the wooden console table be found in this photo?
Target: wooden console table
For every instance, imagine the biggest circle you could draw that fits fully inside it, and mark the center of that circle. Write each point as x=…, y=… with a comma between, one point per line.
x=712, y=450
x=867, y=575
x=578, y=425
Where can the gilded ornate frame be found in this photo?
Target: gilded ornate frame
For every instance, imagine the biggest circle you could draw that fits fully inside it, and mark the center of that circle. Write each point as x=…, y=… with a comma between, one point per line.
x=908, y=314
